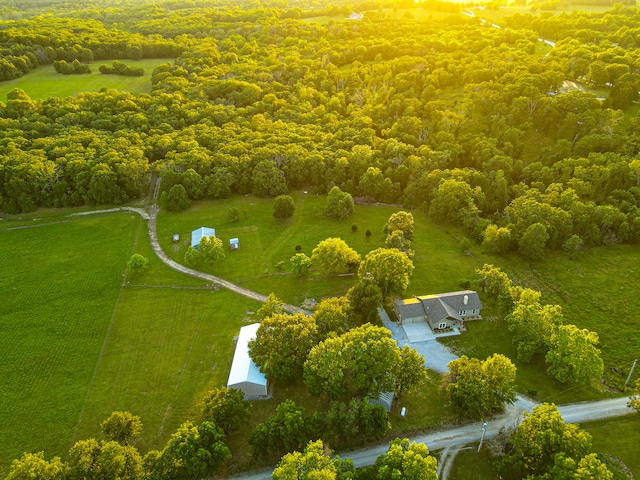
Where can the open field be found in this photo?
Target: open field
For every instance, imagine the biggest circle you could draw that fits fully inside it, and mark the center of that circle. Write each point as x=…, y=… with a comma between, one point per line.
x=45, y=82
x=265, y=241
x=75, y=344
x=167, y=346
x=59, y=285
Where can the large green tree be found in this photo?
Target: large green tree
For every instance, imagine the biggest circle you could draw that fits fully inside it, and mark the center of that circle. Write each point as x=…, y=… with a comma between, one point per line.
x=313, y=463
x=93, y=460
x=211, y=249
x=339, y=204
x=283, y=206
x=334, y=256
x=388, y=268
x=33, y=466
x=573, y=355
x=300, y=263
x=406, y=460
x=365, y=297
x=359, y=362
x=282, y=344
x=122, y=427
x=332, y=316
x=193, y=451
x=402, y=221
x=540, y=438
x=227, y=408
x=286, y=430
x=479, y=388
x=533, y=325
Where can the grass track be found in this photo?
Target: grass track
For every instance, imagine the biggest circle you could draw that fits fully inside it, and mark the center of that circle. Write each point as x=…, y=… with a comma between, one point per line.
x=44, y=82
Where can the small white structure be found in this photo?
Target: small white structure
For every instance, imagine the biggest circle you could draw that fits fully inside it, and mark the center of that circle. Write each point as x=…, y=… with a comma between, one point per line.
x=176, y=237
x=384, y=399
x=355, y=16
x=197, y=235
x=234, y=244
x=245, y=375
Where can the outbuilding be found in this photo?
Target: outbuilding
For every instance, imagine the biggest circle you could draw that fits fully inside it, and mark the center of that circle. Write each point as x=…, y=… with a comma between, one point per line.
x=197, y=235
x=245, y=374
x=234, y=244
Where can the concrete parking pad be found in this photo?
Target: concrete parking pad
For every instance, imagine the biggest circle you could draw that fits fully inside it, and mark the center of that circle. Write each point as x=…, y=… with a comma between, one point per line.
x=436, y=355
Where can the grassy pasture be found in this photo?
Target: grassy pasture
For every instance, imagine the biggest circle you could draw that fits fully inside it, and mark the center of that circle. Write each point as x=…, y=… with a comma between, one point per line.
x=167, y=346
x=166, y=339
x=45, y=82
x=170, y=338
x=58, y=286
x=265, y=241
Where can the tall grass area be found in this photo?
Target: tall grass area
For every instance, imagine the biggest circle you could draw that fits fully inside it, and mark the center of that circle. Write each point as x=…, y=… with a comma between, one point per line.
x=59, y=285
x=44, y=82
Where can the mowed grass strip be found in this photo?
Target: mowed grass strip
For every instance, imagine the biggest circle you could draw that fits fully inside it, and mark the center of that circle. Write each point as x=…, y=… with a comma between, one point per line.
x=166, y=348
x=44, y=82
x=59, y=286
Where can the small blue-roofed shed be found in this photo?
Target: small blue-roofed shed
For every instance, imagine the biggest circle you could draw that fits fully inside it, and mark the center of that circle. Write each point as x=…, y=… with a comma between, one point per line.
x=197, y=235
x=245, y=374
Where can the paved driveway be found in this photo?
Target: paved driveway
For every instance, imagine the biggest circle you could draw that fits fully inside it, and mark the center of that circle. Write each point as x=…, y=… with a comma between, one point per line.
x=436, y=355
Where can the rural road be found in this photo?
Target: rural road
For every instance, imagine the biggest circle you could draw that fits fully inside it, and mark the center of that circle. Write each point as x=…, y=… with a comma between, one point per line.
x=453, y=439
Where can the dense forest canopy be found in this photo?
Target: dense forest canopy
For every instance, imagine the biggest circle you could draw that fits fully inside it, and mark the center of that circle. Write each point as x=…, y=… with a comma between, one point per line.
x=479, y=126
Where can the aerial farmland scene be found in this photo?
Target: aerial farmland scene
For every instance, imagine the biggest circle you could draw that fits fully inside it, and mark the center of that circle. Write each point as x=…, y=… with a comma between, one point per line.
x=317, y=239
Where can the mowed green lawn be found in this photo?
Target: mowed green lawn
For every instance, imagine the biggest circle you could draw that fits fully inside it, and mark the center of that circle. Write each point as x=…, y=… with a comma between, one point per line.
x=45, y=82
x=265, y=241
x=59, y=285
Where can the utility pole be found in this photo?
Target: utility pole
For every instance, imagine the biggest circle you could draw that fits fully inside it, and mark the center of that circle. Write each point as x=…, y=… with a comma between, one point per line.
x=484, y=430
x=630, y=373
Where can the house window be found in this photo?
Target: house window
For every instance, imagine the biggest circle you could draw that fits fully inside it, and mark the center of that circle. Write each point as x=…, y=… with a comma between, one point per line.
x=442, y=325
x=462, y=313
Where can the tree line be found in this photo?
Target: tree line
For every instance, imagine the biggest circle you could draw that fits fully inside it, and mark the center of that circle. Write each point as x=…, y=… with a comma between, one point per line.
x=469, y=123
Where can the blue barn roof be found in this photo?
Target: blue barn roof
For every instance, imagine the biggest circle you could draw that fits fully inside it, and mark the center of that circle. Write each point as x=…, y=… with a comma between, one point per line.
x=196, y=235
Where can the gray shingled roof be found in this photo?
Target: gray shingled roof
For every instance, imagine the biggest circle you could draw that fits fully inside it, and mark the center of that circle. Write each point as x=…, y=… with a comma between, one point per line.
x=409, y=308
x=440, y=306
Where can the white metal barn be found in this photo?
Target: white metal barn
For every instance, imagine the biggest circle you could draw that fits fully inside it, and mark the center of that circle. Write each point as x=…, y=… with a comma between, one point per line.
x=245, y=375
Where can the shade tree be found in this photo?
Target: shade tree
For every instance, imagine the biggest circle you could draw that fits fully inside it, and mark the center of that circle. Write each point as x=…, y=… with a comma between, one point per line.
x=211, y=249
x=282, y=344
x=480, y=388
x=33, y=466
x=365, y=297
x=300, y=263
x=363, y=361
x=283, y=206
x=334, y=256
x=339, y=204
x=388, y=268
x=314, y=462
x=226, y=408
x=543, y=442
x=533, y=325
x=121, y=427
x=406, y=460
x=573, y=355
